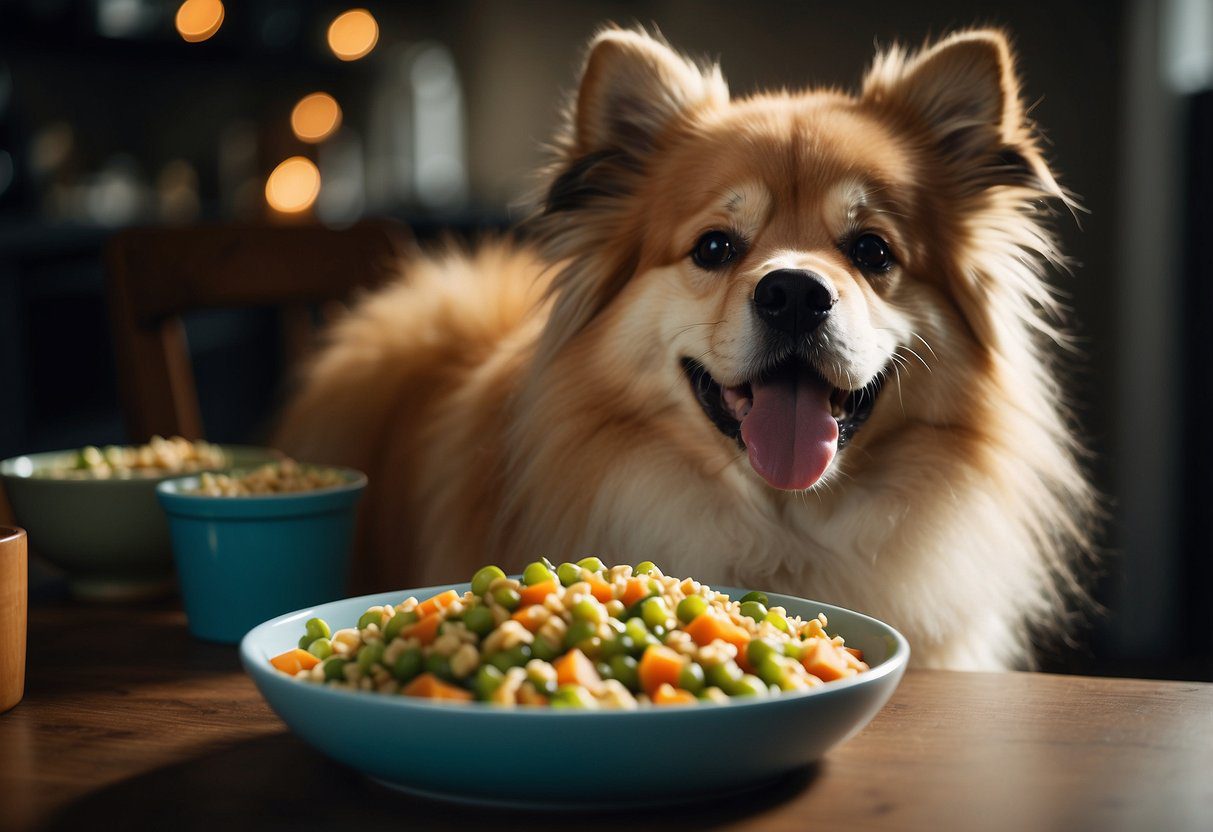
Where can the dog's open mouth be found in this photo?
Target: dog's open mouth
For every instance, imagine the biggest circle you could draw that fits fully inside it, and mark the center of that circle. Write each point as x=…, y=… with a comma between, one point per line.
x=790, y=420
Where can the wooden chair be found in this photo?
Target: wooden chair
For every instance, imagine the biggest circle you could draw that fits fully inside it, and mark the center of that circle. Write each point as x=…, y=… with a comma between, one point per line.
x=154, y=276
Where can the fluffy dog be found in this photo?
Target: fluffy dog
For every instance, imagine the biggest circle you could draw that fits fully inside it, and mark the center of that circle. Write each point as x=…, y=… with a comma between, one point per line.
x=796, y=341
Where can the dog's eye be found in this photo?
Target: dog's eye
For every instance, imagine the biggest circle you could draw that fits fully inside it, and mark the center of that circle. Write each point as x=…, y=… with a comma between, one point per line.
x=713, y=250
x=871, y=253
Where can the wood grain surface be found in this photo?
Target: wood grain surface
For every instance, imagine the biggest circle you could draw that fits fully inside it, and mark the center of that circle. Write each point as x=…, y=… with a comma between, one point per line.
x=129, y=722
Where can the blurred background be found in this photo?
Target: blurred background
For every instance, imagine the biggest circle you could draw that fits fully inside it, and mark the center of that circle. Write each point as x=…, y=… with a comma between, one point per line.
x=122, y=113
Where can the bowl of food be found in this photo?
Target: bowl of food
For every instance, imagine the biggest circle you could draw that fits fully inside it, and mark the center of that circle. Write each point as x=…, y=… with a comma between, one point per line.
x=575, y=685
x=256, y=543
x=93, y=512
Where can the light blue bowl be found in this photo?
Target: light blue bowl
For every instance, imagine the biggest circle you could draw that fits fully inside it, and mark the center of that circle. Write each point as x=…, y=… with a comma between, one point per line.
x=537, y=757
x=241, y=560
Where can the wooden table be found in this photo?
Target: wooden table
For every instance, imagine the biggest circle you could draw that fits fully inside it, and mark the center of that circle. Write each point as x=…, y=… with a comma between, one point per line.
x=128, y=721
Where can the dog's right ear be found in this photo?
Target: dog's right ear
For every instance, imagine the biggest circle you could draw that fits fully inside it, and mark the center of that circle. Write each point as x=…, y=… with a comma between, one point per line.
x=633, y=87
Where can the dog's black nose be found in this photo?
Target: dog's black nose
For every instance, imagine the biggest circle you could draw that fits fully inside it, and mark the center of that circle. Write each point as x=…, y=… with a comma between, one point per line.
x=793, y=301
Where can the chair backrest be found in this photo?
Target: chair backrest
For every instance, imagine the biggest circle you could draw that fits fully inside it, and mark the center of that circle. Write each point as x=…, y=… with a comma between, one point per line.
x=154, y=276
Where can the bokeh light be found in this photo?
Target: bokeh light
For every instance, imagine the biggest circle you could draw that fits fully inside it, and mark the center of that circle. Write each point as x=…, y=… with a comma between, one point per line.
x=353, y=34
x=293, y=186
x=316, y=117
x=199, y=20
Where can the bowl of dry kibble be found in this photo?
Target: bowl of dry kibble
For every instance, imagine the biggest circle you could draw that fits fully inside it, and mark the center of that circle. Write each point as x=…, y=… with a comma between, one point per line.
x=92, y=511
x=252, y=544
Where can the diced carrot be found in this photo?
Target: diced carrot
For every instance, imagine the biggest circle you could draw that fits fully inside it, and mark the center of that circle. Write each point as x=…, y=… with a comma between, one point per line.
x=707, y=627
x=857, y=653
x=439, y=602
x=637, y=588
x=670, y=695
x=573, y=668
x=429, y=686
x=824, y=660
x=425, y=630
x=600, y=589
x=659, y=666
x=536, y=593
x=292, y=661
x=527, y=618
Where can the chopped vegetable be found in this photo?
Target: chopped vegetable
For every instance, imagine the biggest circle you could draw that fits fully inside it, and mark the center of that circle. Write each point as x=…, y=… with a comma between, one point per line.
x=578, y=636
x=292, y=661
x=573, y=668
x=670, y=695
x=439, y=602
x=429, y=686
x=659, y=666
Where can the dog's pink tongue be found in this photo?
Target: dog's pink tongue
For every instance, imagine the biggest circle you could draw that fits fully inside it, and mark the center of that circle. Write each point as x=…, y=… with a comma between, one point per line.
x=789, y=432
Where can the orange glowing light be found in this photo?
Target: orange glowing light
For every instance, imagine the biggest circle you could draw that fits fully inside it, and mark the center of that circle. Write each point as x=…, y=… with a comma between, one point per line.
x=199, y=20
x=293, y=186
x=353, y=34
x=315, y=117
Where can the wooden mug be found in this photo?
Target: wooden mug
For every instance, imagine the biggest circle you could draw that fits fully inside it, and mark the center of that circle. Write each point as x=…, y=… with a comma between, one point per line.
x=13, y=595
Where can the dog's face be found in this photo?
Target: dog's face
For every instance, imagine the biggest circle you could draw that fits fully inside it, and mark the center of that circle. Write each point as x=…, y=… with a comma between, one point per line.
x=793, y=274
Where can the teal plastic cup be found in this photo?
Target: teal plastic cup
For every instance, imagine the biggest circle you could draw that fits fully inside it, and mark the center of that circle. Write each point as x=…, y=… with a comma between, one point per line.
x=241, y=560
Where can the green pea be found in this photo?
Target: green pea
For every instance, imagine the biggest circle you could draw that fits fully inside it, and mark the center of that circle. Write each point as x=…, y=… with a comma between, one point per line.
x=749, y=685
x=370, y=617
x=645, y=568
x=572, y=696
x=334, y=669
x=690, y=608
x=723, y=675
x=516, y=656
x=760, y=597
x=649, y=641
x=370, y=655
x=541, y=648
x=623, y=670
x=408, y=664
x=754, y=609
x=772, y=671
x=321, y=648
x=578, y=632
x=568, y=573
x=592, y=563
x=587, y=609
x=488, y=679
x=537, y=573
x=507, y=597
x=479, y=619
x=439, y=665
x=617, y=647
x=759, y=649
x=551, y=566
x=658, y=631
x=305, y=641
x=637, y=630
x=778, y=621
x=604, y=670
x=397, y=623
x=655, y=612
x=545, y=686
x=318, y=628
x=691, y=677
x=484, y=578
x=794, y=650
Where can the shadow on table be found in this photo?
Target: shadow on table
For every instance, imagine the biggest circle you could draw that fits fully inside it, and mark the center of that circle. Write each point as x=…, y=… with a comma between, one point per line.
x=144, y=643
x=277, y=781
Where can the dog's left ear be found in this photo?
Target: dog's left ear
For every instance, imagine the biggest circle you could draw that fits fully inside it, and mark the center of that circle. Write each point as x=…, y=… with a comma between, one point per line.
x=964, y=91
